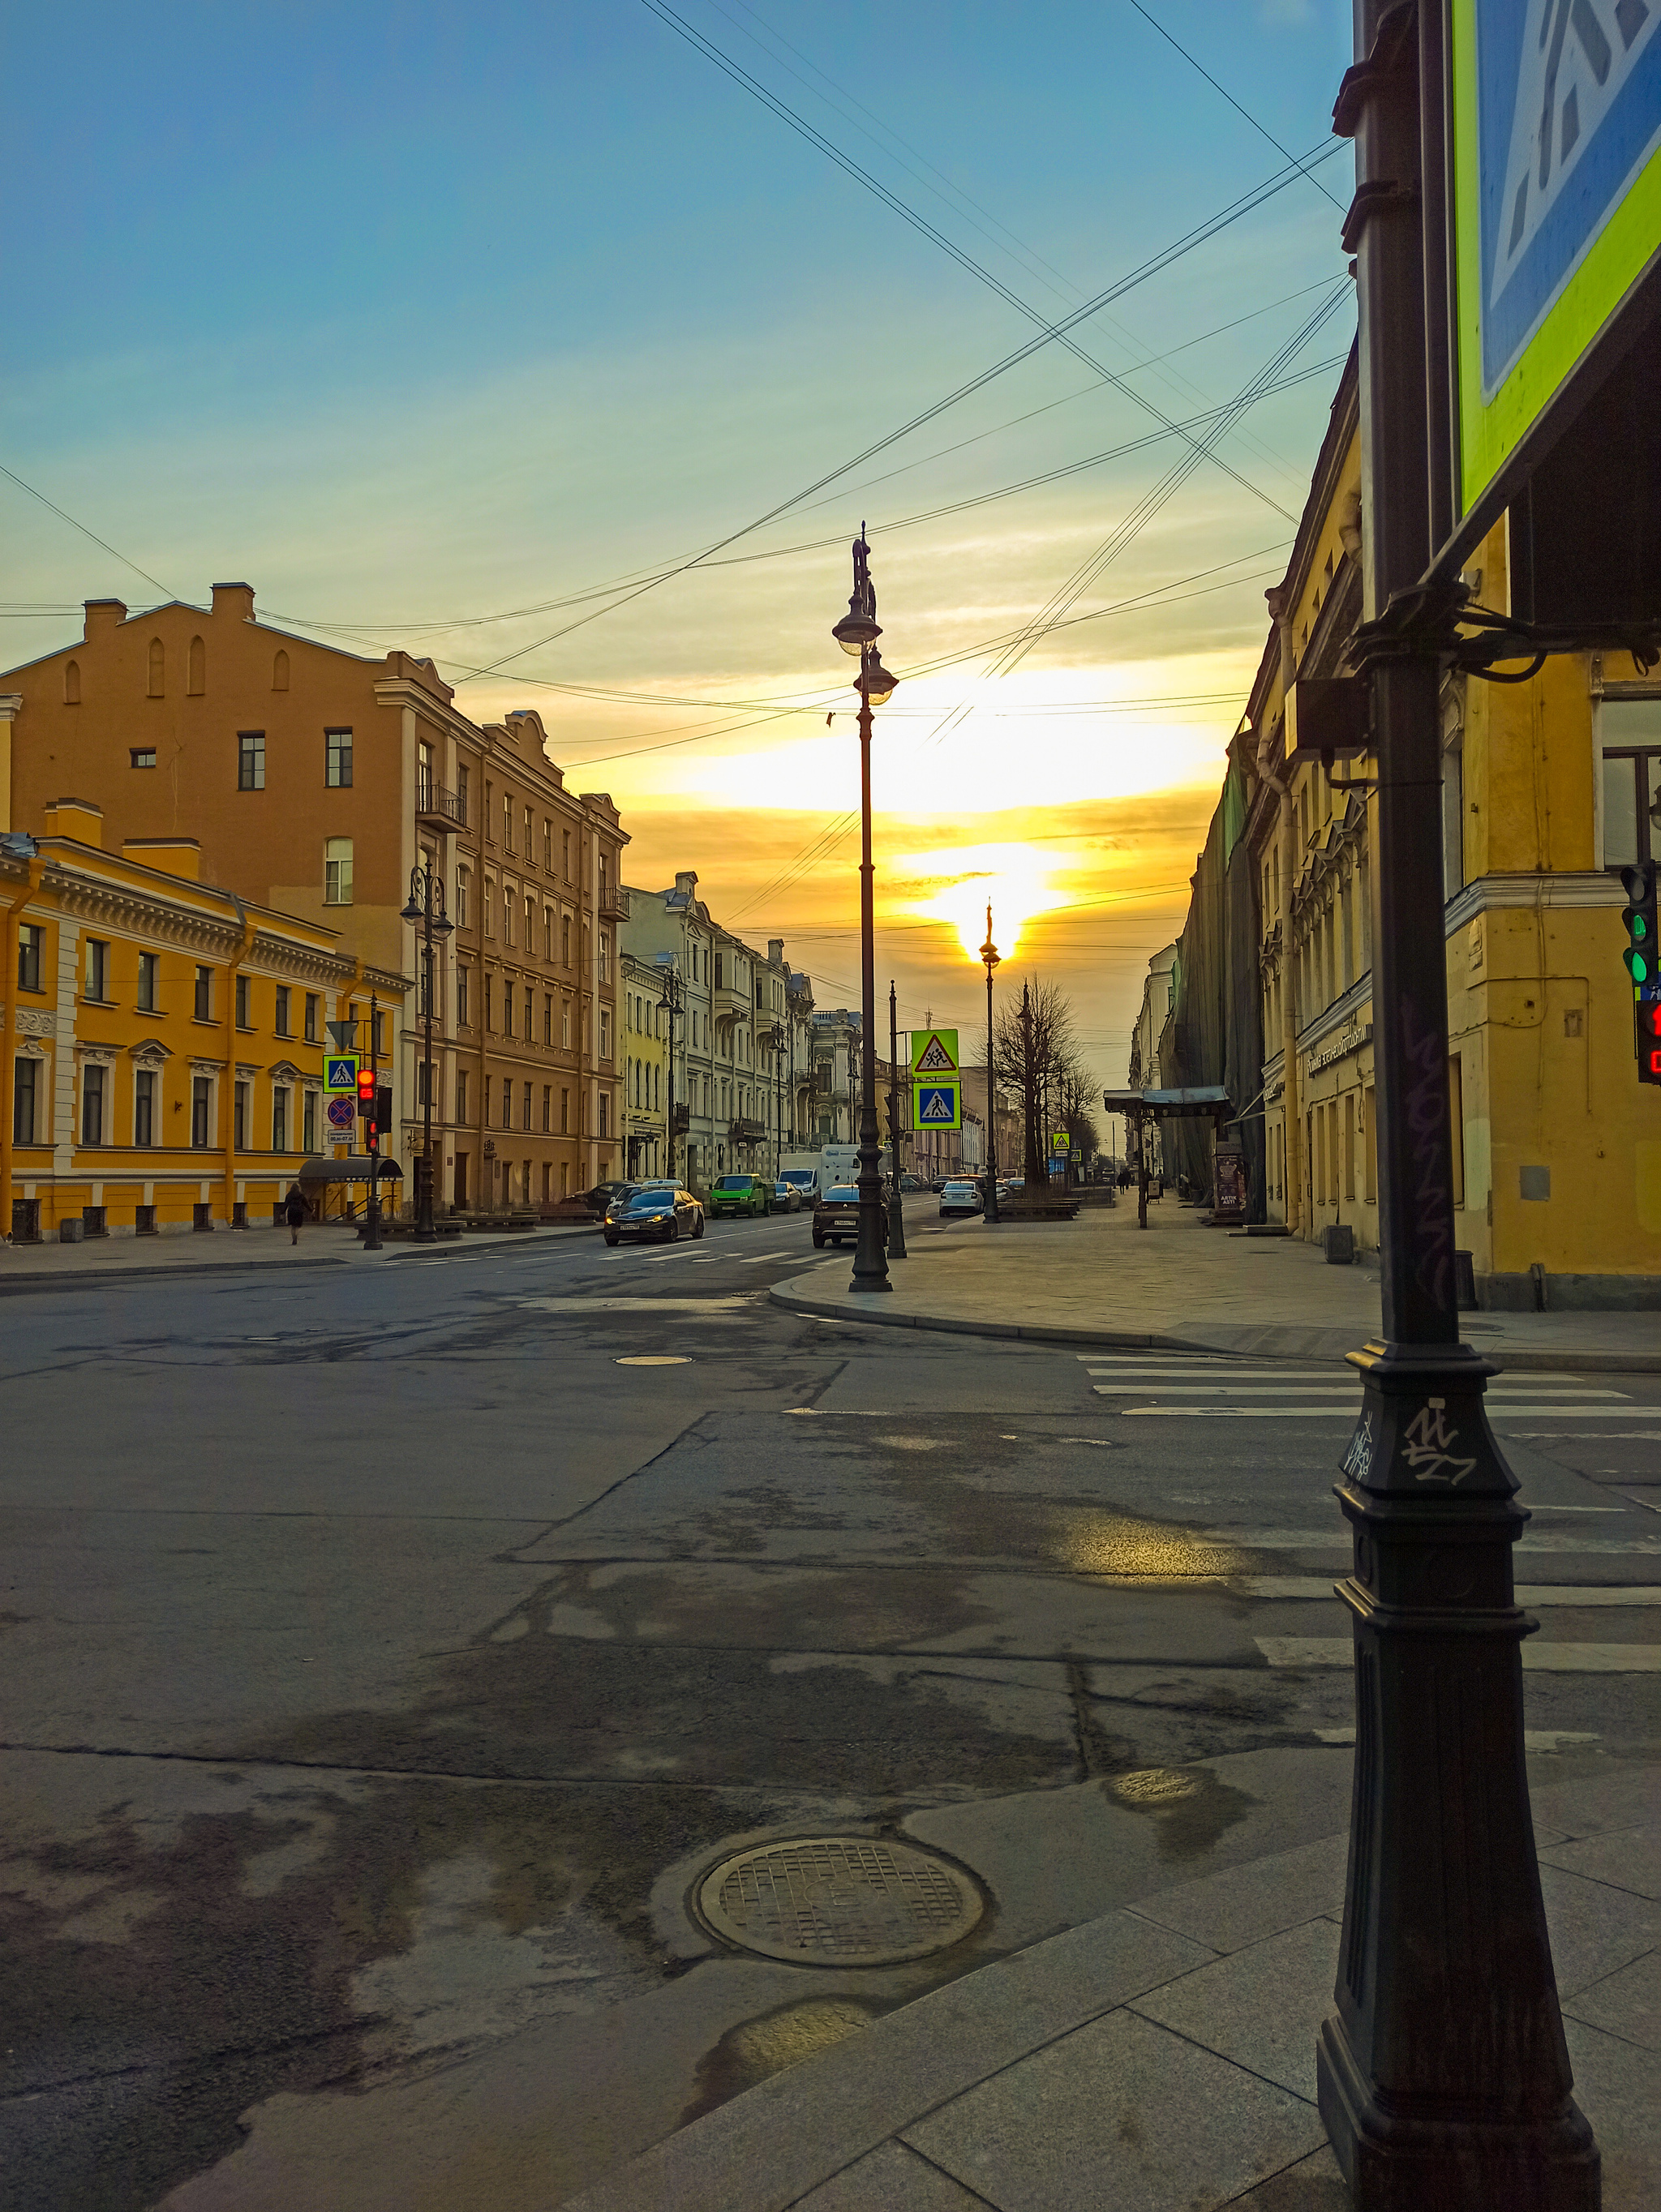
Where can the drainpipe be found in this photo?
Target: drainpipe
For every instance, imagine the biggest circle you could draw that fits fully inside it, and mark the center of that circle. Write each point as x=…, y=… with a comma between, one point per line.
x=1275, y=777
x=37, y=868
x=228, y=1103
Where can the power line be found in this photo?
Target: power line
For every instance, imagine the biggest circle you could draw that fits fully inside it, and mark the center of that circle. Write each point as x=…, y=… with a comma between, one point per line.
x=124, y=560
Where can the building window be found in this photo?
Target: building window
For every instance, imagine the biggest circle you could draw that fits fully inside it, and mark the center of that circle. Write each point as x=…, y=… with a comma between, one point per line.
x=530, y=925
x=462, y=781
x=310, y=1030
x=461, y=1094
x=281, y=1023
x=605, y=1111
x=463, y=883
x=377, y=1027
x=605, y=957
x=242, y=1021
x=565, y=941
x=464, y=977
x=203, y=1002
x=280, y=672
x=239, y=1118
x=548, y=1018
x=158, y=685
x=29, y=940
x=564, y=1113
x=488, y=1081
x=605, y=1033
x=1630, y=733
x=489, y=831
x=92, y=1105
x=507, y=1103
x=280, y=1118
x=200, y=1086
x=143, y=1108
x=196, y=669
x=309, y=1121
x=251, y=760
x=489, y=899
x=525, y=1123
x=508, y=897
x=528, y=1017
x=507, y=1008
x=25, y=1085
x=506, y=823
x=565, y=854
x=547, y=1108
x=547, y=847
x=338, y=759
x=140, y=756
x=98, y=969
x=527, y=833
x=490, y=1017
x=337, y=871
x=565, y=1024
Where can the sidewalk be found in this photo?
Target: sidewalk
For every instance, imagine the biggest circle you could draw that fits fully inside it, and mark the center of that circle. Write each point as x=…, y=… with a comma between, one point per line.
x=1163, y=2057
x=26, y=1267
x=1100, y=1280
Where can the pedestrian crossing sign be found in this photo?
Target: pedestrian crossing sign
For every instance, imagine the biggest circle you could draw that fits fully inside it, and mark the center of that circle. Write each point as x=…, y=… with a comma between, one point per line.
x=935, y=1052
x=936, y=1106
x=340, y=1072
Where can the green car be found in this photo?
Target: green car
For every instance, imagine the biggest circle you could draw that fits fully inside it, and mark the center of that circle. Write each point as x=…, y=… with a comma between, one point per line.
x=741, y=1193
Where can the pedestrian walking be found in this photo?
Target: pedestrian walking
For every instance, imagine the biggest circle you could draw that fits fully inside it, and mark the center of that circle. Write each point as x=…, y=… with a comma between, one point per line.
x=294, y=1212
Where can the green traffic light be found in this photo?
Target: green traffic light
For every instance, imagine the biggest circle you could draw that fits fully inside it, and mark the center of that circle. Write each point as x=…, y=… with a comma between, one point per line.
x=1640, y=926
x=1638, y=968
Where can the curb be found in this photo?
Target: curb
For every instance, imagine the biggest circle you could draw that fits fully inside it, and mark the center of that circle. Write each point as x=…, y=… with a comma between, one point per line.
x=26, y=1286
x=1517, y=1359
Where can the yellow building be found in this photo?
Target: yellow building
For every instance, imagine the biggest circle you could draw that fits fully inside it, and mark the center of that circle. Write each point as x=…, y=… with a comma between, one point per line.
x=1548, y=786
x=164, y=1039
x=644, y=1069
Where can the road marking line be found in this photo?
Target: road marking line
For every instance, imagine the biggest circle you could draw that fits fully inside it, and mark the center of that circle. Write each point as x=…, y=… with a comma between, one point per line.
x=756, y=1259
x=1538, y=1657
x=1224, y=1389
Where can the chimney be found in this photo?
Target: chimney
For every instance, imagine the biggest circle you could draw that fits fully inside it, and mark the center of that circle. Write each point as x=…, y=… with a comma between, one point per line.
x=103, y=615
x=775, y=952
x=173, y=856
x=686, y=880
x=233, y=601
x=78, y=818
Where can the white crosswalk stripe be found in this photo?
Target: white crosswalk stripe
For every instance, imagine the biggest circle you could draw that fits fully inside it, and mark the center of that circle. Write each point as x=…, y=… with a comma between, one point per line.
x=1538, y=1657
x=1203, y=1386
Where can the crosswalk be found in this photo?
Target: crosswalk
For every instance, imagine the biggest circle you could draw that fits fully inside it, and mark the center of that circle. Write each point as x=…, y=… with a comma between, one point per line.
x=1197, y=1386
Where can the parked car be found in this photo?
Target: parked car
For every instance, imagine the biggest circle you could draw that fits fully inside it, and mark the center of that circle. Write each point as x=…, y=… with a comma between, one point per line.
x=657, y=1216
x=741, y=1193
x=787, y=1198
x=960, y=1198
x=907, y=1184
x=939, y=1184
x=836, y=1217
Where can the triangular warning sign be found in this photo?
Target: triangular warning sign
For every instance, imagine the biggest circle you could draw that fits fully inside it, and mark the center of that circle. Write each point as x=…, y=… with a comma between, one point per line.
x=935, y=1060
x=936, y=1106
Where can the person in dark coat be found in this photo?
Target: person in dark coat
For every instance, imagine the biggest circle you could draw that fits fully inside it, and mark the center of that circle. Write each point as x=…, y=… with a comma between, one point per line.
x=294, y=1212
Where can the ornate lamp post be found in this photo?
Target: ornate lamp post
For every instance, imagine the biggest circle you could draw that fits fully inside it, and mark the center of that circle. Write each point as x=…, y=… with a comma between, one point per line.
x=857, y=633
x=670, y=1000
x=425, y=911
x=991, y=956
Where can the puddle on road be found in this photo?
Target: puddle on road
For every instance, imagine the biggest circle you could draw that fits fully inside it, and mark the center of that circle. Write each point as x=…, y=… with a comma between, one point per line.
x=754, y=2049
x=1098, y=1541
x=1192, y=1807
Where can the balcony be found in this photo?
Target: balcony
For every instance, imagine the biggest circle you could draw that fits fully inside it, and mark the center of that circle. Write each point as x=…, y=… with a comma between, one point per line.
x=747, y=1132
x=613, y=903
x=680, y=1121
x=438, y=809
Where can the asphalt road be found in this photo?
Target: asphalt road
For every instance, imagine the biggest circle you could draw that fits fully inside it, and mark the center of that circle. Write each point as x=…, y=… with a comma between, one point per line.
x=391, y=1648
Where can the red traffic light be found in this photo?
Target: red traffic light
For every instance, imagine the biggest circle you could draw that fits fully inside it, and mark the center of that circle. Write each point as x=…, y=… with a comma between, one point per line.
x=365, y=1089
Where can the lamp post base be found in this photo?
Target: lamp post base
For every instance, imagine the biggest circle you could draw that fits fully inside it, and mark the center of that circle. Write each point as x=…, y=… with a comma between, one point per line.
x=425, y=1233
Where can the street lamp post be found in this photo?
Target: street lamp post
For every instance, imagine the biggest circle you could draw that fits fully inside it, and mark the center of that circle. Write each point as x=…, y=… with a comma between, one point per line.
x=670, y=1002
x=857, y=633
x=991, y=956
x=425, y=910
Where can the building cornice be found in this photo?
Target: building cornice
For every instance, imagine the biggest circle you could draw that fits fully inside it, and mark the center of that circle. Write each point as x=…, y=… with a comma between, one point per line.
x=1590, y=887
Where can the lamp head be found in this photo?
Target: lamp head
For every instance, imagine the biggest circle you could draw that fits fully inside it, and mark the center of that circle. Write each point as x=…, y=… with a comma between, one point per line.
x=858, y=628
x=442, y=925
x=876, y=685
x=991, y=956
x=412, y=912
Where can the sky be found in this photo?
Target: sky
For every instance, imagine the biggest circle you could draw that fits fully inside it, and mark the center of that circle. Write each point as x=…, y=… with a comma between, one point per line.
x=533, y=338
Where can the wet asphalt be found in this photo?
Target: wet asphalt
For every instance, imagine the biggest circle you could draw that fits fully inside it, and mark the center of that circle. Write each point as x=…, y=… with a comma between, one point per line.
x=388, y=1655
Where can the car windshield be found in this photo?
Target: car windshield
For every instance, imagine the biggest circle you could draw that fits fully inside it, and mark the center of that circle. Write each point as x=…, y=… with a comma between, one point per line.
x=654, y=1201
x=843, y=1194
x=732, y=1182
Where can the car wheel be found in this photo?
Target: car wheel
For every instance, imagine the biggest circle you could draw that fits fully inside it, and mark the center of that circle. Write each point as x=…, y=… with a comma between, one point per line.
x=674, y=1228
x=609, y=1238
x=697, y=1226
x=819, y=1244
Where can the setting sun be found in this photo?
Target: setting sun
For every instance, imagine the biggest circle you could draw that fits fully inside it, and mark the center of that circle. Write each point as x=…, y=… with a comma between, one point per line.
x=1016, y=885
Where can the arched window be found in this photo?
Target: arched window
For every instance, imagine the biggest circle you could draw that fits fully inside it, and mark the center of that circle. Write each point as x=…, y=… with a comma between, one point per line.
x=280, y=672
x=158, y=670
x=71, y=684
x=196, y=669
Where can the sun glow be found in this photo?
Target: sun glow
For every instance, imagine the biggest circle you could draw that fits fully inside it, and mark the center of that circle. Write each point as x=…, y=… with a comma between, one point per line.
x=1018, y=886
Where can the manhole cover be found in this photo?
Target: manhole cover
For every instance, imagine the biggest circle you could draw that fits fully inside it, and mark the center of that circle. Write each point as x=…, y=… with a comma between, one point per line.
x=839, y=1901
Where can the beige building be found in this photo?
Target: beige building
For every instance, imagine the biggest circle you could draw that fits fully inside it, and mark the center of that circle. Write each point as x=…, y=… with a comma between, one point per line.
x=314, y=781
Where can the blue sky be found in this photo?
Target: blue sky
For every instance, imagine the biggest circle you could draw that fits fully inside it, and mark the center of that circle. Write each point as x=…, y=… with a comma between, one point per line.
x=412, y=315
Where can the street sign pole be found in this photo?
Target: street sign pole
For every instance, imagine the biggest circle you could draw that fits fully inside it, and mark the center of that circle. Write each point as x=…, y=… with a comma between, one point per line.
x=1443, y=2076
x=372, y=1139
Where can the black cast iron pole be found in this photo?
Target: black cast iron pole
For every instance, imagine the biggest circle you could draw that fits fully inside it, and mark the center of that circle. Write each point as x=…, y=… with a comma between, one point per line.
x=372, y=1138
x=870, y=1266
x=1443, y=2076
x=991, y=956
x=895, y=1209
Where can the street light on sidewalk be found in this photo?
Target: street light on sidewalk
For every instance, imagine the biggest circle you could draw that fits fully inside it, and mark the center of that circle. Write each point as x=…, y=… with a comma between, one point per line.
x=857, y=633
x=425, y=910
x=670, y=1000
x=991, y=956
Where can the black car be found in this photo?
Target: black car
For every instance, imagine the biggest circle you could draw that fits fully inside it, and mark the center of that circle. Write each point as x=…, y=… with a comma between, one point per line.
x=608, y=1197
x=836, y=1216
x=656, y=1216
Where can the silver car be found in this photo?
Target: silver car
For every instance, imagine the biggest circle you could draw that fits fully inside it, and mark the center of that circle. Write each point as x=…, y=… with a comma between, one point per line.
x=960, y=1198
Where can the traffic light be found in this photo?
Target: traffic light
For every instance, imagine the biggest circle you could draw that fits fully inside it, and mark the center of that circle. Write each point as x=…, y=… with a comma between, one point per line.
x=383, y=1114
x=1639, y=920
x=366, y=1091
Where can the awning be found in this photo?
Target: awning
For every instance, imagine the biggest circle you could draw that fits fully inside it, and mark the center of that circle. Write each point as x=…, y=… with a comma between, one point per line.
x=355, y=1168
x=1167, y=1105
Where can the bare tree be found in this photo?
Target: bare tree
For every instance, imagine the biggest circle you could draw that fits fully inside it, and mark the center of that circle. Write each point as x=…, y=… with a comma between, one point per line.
x=1034, y=1056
